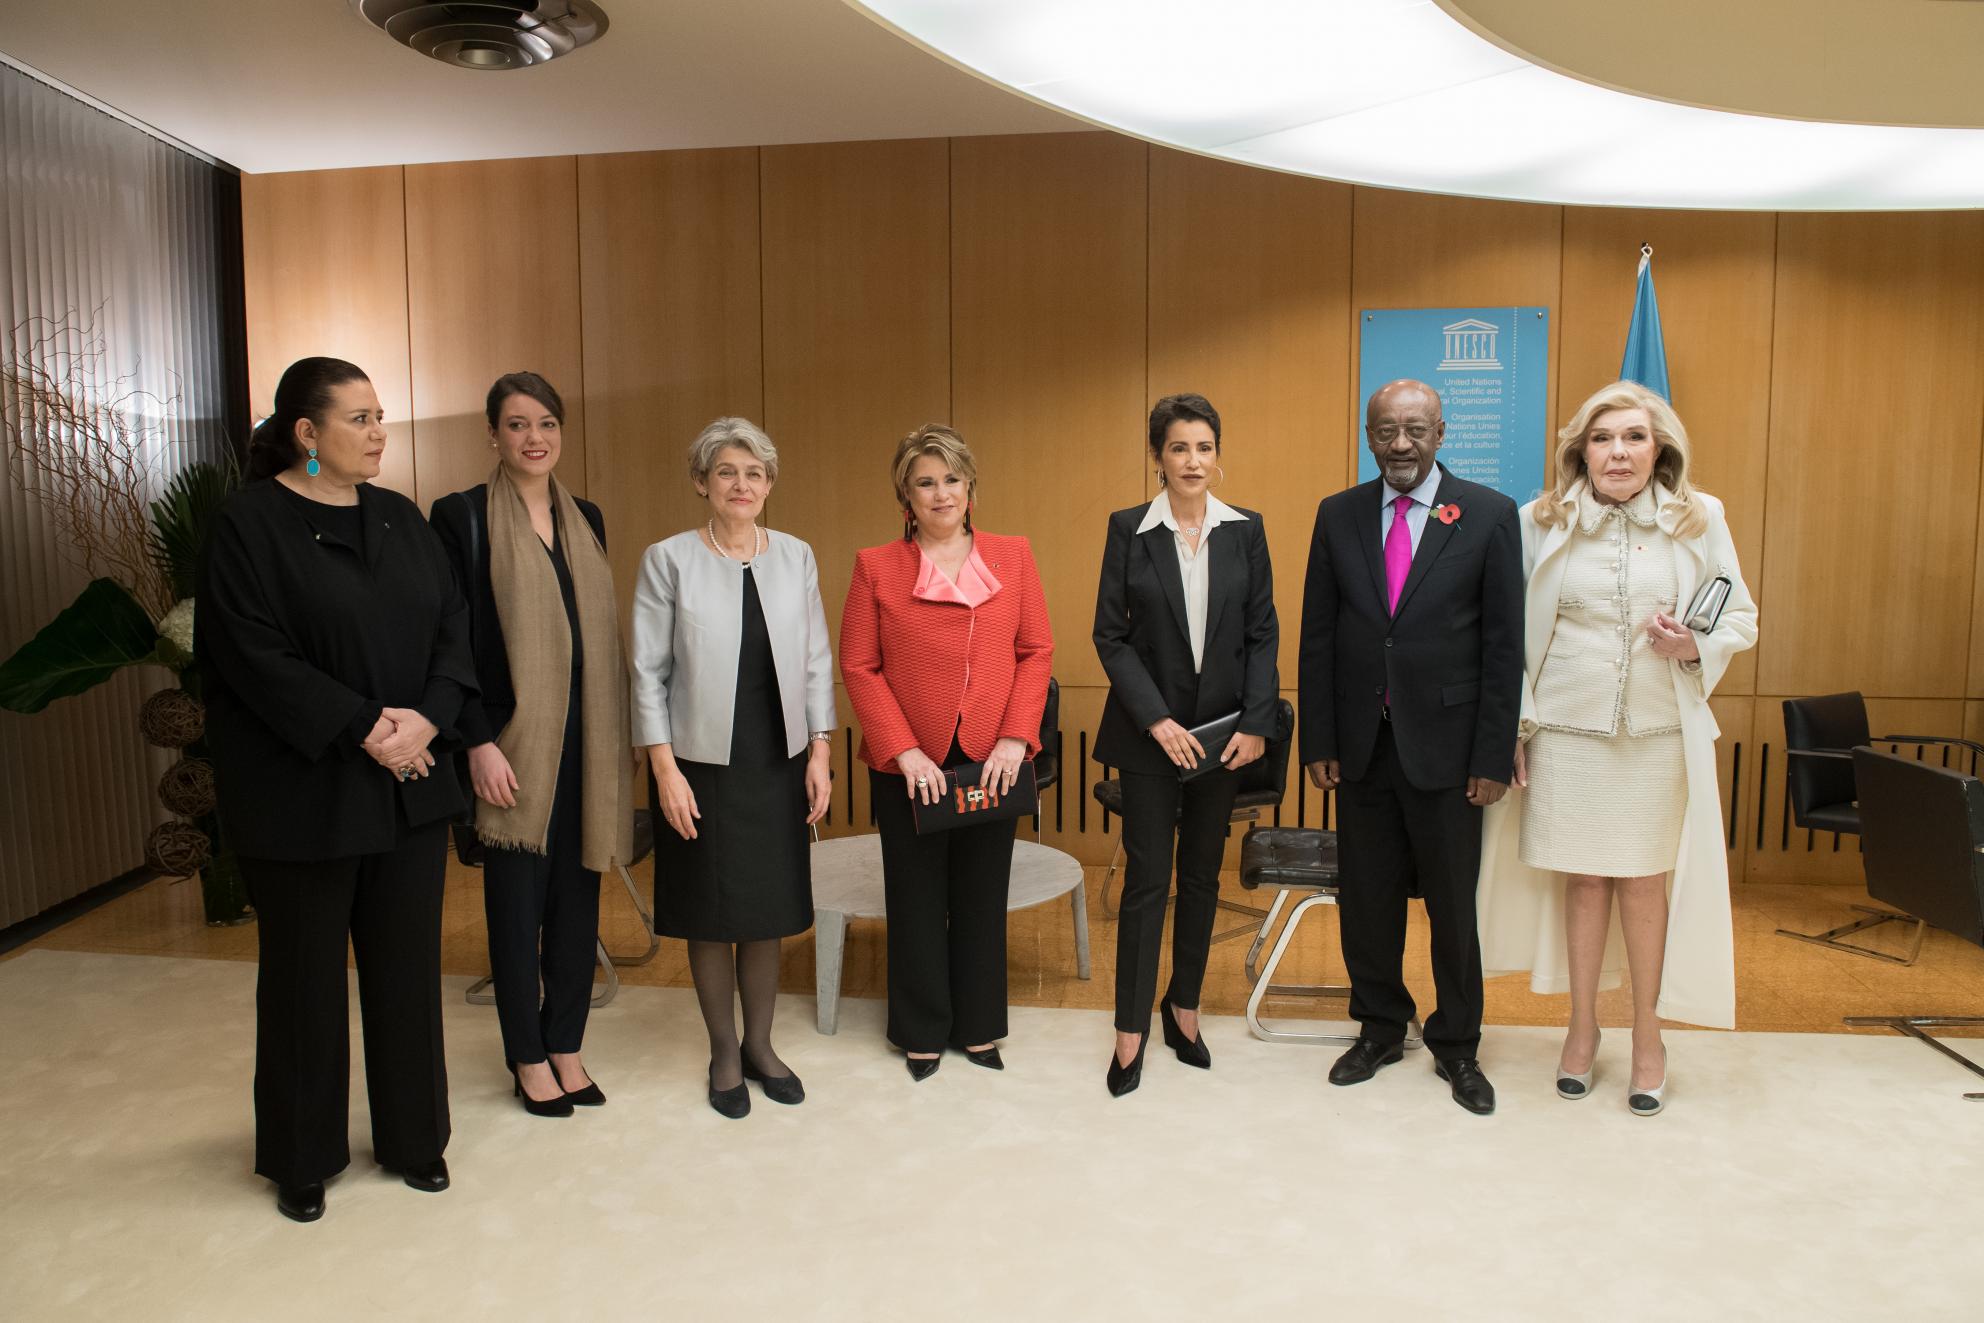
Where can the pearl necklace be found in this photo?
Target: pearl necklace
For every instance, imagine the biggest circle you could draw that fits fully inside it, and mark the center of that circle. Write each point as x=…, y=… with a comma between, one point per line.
x=757, y=541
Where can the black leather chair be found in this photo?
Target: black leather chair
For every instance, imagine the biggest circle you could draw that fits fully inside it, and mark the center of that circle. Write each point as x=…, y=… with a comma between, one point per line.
x=1820, y=737
x=1263, y=785
x=1047, y=763
x=1923, y=839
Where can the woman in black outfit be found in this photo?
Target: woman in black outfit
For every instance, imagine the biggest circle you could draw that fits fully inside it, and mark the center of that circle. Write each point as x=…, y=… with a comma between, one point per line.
x=546, y=738
x=333, y=646
x=1185, y=626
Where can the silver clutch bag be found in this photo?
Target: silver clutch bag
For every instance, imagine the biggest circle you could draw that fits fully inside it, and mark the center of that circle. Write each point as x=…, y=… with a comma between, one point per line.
x=1706, y=609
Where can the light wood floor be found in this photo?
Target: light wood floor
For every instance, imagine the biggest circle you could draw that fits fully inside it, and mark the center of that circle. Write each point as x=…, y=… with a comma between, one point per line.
x=1781, y=985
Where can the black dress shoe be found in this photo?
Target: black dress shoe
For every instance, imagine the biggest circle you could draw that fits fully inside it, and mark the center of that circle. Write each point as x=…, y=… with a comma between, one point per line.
x=989, y=1058
x=1361, y=1062
x=589, y=1096
x=1124, y=1079
x=301, y=1203
x=1191, y=1051
x=921, y=1068
x=733, y=1102
x=784, y=1088
x=559, y=1106
x=1471, y=1088
x=431, y=1177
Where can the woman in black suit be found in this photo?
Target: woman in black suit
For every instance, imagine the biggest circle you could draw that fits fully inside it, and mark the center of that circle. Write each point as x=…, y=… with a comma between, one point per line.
x=548, y=756
x=333, y=646
x=1185, y=626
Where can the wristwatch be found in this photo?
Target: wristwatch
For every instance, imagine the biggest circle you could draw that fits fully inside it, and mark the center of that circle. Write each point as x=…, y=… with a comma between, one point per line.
x=825, y=736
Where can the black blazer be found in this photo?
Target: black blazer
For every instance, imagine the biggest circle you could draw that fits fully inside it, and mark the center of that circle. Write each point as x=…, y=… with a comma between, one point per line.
x=1452, y=657
x=461, y=520
x=301, y=638
x=1141, y=636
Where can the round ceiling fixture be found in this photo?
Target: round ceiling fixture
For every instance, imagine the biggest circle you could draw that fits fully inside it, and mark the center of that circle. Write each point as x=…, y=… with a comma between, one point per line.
x=495, y=34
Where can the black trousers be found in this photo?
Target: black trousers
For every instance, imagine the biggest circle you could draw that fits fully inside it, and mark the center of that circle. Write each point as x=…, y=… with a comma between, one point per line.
x=389, y=905
x=1394, y=840
x=946, y=899
x=1159, y=811
x=543, y=917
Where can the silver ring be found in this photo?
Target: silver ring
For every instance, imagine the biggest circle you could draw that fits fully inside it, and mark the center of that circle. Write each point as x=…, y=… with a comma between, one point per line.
x=402, y=772
x=923, y=780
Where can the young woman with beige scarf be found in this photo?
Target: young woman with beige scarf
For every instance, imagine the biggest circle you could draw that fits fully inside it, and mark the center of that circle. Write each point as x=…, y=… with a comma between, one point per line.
x=547, y=738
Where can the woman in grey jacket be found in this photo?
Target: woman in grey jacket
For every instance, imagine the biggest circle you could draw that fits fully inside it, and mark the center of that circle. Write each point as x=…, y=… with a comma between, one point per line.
x=734, y=700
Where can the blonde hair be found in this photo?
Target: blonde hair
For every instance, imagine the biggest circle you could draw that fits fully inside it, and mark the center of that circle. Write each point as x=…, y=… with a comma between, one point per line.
x=1670, y=461
x=943, y=443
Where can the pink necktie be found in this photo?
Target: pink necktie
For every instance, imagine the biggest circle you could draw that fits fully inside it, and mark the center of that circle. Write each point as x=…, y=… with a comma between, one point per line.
x=1398, y=554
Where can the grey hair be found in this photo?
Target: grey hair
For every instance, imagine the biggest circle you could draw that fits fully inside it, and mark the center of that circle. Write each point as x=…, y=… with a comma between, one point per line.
x=724, y=432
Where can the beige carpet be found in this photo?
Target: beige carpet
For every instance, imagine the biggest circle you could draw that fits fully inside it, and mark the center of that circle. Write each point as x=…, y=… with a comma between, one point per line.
x=1805, y=1176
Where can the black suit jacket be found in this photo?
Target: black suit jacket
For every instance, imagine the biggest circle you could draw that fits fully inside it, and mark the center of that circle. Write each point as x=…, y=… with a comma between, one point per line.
x=462, y=521
x=301, y=638
x=1141, y=636
x=1451, y=658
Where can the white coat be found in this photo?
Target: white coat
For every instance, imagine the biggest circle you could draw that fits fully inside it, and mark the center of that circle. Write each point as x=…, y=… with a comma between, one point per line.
x=1521, y=909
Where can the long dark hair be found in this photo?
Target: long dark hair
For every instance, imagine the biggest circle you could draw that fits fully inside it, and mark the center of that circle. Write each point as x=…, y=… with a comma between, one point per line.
x=304, y=392
x=527, y=384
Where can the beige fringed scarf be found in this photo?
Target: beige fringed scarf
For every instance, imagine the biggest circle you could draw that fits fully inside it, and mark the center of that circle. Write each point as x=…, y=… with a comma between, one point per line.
x=532, y=613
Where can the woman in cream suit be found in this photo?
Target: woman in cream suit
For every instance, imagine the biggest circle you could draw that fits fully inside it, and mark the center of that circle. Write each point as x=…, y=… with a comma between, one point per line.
x=734, y=700
x=1616, y=770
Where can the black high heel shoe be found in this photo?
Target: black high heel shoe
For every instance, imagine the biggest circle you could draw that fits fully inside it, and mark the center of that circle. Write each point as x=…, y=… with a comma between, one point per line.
x=1191, y=1051
x=733, y=1102
x=559, y=1106
x=784, y=1088
x=989, y=1058
x=921, y=1068
x=1125, y=1079
x=589, y=1096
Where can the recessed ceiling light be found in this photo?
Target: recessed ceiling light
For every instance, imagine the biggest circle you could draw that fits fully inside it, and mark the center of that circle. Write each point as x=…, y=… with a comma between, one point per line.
x=1400, y=94
x=492, y=34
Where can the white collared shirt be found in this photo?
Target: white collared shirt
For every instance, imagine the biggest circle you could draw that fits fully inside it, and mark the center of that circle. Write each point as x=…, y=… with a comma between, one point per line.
x=1415, y=514
x=1193, y=566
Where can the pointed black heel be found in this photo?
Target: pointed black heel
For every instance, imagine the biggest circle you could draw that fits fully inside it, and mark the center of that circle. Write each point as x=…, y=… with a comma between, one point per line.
x=589, y=1096
x=1191, y=1051
x=921, y=1068
x=559, y=1106
x=1124, y=1079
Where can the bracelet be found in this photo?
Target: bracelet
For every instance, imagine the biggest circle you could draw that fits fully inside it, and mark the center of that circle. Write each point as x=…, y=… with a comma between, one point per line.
x=825, y=736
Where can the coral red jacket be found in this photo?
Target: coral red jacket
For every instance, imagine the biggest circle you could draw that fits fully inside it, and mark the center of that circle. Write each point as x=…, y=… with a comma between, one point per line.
x=916, y=670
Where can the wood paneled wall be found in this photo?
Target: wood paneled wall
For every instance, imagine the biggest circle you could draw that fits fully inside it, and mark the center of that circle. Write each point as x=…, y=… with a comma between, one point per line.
x=1039, y=292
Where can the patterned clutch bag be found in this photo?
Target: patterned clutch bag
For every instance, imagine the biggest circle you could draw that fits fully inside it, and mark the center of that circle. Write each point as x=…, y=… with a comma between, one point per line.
x=964, y=801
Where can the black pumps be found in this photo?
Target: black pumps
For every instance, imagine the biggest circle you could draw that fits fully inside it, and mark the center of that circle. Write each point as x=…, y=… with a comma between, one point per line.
x=1191, y=1051
x=559, y=1106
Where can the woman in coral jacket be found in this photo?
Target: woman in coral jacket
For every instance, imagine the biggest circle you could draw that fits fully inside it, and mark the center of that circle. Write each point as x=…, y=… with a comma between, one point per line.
x=945, y=650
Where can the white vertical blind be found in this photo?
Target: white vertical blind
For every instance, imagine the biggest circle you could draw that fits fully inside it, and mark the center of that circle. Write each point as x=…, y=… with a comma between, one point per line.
x=100, y=221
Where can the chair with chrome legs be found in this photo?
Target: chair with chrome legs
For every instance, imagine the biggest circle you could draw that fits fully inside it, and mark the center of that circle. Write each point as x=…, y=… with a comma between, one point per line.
x=1820, y=735
x=1923, y=837
x=1263, y=785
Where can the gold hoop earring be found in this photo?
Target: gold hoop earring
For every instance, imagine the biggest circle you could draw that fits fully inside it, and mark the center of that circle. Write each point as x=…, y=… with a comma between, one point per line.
x=1160, y=478
x=1222, y=476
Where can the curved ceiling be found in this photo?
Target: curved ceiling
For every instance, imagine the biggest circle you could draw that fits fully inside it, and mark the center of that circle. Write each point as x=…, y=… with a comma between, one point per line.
x=1912, y=62
x=1402, y=94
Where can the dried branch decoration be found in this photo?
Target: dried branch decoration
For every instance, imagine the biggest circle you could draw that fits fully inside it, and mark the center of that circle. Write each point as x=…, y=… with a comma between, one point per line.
x=83, y=442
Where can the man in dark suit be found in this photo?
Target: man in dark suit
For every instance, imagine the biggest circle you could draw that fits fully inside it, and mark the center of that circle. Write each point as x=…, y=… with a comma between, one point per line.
x=1410, y=688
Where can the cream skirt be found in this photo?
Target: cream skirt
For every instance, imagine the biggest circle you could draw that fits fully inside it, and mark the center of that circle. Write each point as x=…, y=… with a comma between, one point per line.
x=1604, y=805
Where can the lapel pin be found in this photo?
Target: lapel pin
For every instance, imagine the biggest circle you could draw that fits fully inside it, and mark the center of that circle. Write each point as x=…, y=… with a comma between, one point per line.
x=1449, y=514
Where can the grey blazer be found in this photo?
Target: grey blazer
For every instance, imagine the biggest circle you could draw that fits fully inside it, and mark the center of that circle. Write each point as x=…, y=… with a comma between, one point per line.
x=688, y=627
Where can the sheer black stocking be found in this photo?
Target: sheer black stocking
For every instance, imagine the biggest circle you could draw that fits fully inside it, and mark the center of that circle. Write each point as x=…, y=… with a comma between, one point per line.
x=714, y=969
x=757, y=979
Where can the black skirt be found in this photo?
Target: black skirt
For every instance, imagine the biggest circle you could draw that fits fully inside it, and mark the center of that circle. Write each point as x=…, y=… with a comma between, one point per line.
x=747, y=876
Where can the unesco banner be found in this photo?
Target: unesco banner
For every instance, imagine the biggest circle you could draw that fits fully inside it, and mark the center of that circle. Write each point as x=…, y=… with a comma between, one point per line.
x=1489, y=365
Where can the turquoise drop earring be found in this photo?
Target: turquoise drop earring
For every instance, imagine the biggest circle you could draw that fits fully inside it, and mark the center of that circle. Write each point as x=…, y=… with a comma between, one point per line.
x=313, y=468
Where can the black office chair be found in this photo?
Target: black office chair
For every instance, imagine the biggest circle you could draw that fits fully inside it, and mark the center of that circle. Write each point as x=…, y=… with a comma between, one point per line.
x=1263, y=785
x=1820, y=736
x=1047, y=763
x=1923, y=840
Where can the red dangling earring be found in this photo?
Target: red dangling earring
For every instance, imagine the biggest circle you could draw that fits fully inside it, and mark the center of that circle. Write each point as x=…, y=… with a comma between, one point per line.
x=908, y=525
x=968, y=506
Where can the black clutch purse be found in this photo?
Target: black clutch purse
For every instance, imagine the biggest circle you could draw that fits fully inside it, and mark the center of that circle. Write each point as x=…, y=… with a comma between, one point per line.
x=964, y=802
x=1213, y=737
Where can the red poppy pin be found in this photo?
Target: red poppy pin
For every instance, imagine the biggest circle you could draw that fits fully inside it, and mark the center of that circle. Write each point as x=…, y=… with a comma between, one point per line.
x=1449, y=514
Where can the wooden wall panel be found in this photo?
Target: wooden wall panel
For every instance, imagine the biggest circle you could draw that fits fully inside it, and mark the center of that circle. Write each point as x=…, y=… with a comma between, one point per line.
x=668, y=274
x=1877, y=388
x=492, y=287
x=1250, y=306
x=324, y=265
x=1714, y=273
x=1414, y=250
x=857, y=319
x=1048, y=326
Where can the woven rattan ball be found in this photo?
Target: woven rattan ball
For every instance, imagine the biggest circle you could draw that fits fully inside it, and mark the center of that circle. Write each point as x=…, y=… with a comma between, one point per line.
x=172, y=719
x=177, y=848
x=187, y=788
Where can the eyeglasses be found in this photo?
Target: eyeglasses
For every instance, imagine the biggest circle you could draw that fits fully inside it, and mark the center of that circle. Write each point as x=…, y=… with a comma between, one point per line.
x=1389, y=432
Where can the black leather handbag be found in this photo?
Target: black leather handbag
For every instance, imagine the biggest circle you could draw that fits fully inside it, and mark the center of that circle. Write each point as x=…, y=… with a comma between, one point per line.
x=964, y=802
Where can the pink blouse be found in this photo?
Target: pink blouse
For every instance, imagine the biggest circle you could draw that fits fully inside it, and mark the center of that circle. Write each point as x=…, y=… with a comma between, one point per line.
x=975, y=583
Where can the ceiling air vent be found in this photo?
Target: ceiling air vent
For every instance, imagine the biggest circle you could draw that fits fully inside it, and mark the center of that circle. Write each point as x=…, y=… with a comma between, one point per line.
x=510, y=34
